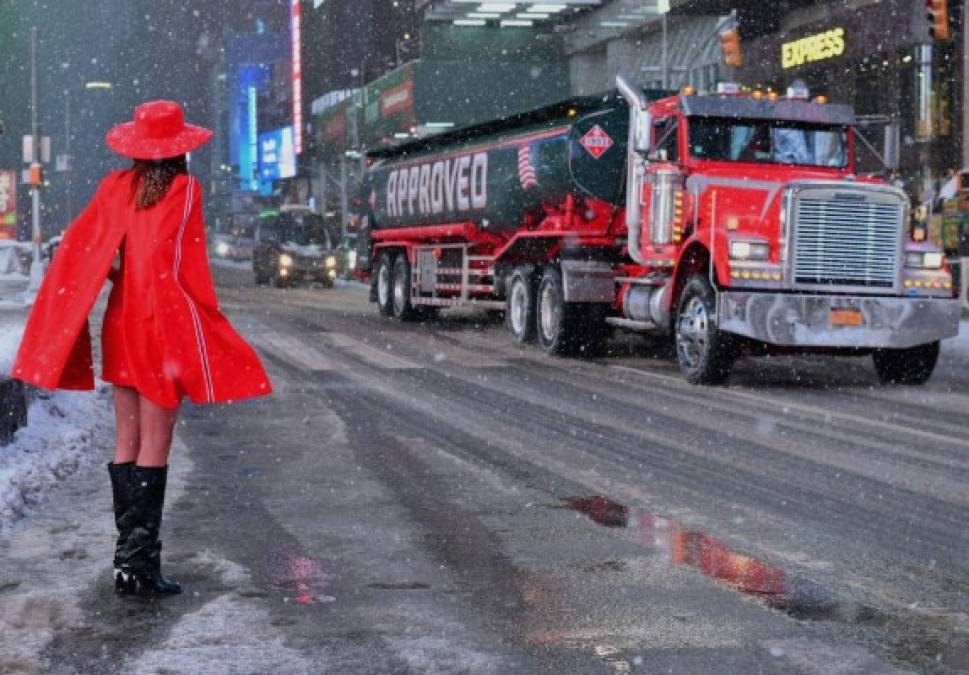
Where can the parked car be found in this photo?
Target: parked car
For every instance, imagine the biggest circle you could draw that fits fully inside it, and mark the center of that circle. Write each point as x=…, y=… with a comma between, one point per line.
x=294, y=244
x=235, y=242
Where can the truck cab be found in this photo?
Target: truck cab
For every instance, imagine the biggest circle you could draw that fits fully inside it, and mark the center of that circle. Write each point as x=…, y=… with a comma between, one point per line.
x=748, y=220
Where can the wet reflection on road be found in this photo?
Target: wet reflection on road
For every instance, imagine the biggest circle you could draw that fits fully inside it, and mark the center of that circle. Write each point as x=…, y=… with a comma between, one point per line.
x=798, y=597
x=301, y=580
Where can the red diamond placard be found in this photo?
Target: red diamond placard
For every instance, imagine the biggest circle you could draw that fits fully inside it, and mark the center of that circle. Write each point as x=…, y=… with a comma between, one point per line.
x=596, y=141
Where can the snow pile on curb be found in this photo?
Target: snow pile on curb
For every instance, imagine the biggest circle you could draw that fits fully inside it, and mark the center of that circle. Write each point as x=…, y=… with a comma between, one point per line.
x=64, y=432
x=12, y=257
x=10, y=334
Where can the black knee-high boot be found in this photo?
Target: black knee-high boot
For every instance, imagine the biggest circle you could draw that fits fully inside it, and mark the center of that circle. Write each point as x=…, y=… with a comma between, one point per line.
x=140, y=556
x=121, y=496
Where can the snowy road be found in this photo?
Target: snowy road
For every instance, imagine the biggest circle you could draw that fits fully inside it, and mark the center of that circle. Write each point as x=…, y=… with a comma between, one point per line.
x=435, y=499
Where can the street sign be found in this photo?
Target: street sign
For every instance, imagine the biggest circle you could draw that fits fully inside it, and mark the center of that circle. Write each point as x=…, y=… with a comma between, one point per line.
x=28, y=150
x=62, y=163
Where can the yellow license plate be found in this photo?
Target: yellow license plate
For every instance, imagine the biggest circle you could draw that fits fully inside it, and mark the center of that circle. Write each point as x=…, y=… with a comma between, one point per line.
x=846, y=317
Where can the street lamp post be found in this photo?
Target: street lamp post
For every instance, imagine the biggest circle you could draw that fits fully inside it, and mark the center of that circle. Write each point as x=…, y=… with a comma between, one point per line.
x=67, y=155
x=36, y=265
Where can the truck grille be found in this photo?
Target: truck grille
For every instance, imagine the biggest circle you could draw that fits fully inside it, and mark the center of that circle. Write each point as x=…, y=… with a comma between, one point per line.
x=847, y=242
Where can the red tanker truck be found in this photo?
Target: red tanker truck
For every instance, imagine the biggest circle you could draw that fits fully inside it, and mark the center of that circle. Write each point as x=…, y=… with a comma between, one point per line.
x=723, y=221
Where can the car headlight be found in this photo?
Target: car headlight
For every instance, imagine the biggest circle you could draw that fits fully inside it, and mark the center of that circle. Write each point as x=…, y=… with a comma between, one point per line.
x=221, y=249
x=331, y=261
x=286, y=260
x=924, y=260
x=749, y=250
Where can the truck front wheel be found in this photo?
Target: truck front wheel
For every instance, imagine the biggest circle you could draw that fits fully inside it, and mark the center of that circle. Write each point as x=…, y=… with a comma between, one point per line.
x=704, y=352
x=520, y=312
x=385, y=282
x=906, y=366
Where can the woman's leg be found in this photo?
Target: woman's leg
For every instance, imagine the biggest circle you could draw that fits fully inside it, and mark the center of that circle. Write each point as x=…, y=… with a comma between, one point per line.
x=140, y=558
x=127, y=416
x=157, y=424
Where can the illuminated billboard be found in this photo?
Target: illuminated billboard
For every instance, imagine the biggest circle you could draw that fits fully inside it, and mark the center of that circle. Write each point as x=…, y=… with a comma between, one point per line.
x=277, y=154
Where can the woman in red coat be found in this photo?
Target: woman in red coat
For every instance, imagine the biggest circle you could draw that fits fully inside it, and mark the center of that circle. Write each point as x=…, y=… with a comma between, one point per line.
x=163, y=336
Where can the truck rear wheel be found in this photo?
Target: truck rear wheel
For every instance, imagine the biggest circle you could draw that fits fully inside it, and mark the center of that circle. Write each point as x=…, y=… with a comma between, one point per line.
x=520, y=312
x=705, y=353
x=401, y=307
x=906, y=366
x=567, y=329
x=385, y=283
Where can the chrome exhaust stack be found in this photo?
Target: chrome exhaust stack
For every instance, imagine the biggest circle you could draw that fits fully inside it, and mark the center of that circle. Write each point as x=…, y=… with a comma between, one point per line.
x=636, y=148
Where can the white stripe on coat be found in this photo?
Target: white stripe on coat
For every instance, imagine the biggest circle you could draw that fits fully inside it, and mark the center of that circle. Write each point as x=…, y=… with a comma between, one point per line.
x=196, y=322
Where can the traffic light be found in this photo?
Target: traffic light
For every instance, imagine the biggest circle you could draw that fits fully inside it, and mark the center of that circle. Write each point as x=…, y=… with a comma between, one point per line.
x=937, y=13
x=733, y=55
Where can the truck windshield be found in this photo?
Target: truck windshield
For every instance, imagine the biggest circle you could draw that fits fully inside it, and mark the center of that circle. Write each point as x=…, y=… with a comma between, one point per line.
x=767, y=141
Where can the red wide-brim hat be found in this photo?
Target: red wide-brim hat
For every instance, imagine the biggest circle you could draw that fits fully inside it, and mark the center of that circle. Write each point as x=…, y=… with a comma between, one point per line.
x=157, y=132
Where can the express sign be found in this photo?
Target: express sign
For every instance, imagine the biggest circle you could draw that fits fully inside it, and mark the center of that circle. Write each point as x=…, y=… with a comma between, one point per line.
x=813, y=48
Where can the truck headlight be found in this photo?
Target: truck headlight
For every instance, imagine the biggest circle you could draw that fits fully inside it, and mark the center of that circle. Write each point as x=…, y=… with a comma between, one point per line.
x=749, y=250
x=331, y=261
x=221, y=249
x=285, y=260
x=923, y=260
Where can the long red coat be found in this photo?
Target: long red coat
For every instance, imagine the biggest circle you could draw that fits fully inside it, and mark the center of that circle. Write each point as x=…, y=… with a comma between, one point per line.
x=163, y=333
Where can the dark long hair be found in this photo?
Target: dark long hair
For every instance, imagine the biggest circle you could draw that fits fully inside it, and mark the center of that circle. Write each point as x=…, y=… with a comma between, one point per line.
x=151, y=179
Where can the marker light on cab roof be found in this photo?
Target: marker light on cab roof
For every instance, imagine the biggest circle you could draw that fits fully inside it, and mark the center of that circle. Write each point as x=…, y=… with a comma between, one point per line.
x=799, y=91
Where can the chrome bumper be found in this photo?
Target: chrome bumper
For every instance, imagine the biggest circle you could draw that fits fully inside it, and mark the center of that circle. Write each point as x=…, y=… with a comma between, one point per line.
x=806, y=320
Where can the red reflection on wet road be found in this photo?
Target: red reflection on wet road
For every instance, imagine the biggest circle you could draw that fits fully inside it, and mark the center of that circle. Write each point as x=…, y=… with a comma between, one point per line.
x=302, y=576
x=686, y=547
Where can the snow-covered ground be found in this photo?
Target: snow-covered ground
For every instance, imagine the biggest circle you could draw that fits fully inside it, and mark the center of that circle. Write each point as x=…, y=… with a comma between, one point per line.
x=13, y=257
x=64, y=431
x=49, y=557
x=10, y=331
x=14, y=292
